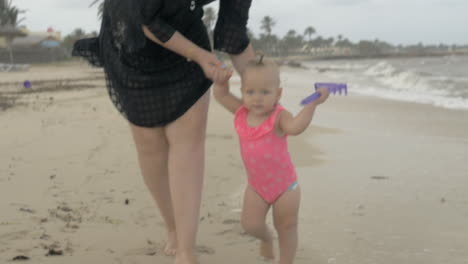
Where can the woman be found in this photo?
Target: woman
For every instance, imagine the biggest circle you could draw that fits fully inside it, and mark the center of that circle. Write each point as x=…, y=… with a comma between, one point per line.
x=158, y=65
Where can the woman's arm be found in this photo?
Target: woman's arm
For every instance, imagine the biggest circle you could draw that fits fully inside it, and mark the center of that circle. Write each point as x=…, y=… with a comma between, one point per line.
x=239, y=61
x=184, y=47
x=230, y=33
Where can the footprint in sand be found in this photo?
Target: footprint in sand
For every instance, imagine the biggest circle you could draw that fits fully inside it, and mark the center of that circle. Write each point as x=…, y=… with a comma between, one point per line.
x=379, y=177
x=205, y=250
x=27, y=210
x=230, y=221
x=236, y=165
x=150, y=251
x=56, y=249
x=20, y=258
x=14, y=235
x=145, y=216
x=234, y=230
x=219, y=136
x=225, y=232
x=359, y=210
x=72, y=217
x=154, y=248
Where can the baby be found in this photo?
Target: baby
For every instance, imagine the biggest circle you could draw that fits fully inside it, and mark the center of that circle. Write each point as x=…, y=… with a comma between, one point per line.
x=263, y=125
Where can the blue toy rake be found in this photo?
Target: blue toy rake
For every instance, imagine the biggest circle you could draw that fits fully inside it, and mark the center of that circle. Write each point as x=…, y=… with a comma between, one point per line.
x=333, y=88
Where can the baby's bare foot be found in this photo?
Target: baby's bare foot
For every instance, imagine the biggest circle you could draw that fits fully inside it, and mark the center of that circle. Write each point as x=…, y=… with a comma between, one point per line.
x=171, y=245
x=266, y=249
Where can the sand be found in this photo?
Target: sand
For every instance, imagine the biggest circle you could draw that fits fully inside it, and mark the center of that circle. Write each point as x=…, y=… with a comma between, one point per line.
x=383, y=181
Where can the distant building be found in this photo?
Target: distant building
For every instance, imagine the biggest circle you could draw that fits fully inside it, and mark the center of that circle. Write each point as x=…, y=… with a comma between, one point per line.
x=327, y=50
x=48, y=39
x=35, y=47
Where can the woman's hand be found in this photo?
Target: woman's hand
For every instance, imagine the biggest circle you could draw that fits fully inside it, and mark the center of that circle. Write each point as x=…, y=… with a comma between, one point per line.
x=181, y=45
x=221, y=76
x=208, y=62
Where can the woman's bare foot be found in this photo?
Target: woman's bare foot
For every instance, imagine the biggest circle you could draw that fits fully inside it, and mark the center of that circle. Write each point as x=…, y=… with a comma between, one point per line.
x=185, y=259
x=266, y=249
x=171, y=245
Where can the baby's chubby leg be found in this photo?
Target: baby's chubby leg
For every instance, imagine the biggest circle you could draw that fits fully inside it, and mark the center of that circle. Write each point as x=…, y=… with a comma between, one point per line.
x=253, y=220
x=285, y=219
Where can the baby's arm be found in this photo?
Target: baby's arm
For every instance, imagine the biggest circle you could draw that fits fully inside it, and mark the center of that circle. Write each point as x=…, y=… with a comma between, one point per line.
x=221, y=90
x=295, y=125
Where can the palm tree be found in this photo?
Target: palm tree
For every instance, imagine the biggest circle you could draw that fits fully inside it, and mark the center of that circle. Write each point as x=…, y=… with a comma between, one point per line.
x=292, y=41
x=267, y=24
x=78, y=33
x=343, y=42
x=318, y=42
x=9, y=14
x=95, y=2
x=9, y=22
x=291, y=33
x=100, y=7
x=309, y=31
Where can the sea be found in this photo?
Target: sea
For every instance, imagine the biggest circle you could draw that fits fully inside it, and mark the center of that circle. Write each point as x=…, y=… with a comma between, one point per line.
x=439, y=81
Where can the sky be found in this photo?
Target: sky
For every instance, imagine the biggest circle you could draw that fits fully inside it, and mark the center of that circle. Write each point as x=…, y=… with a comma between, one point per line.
x=394, y=21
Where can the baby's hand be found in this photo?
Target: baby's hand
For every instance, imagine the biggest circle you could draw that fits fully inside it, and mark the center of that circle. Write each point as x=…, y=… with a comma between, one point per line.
x=222, y=75
x=324, y=93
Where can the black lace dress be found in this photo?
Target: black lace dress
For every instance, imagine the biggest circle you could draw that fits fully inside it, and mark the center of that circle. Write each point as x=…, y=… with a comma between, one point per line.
x=150, y=85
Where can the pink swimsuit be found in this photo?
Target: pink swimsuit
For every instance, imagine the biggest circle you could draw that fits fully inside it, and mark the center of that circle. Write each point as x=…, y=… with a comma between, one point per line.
x=266, y=158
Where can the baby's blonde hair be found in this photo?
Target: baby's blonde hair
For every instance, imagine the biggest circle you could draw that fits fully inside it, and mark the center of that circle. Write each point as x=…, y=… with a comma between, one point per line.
x=263, y=63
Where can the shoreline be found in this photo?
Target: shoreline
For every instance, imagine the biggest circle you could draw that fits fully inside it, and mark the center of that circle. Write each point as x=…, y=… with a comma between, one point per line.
x=312, y=58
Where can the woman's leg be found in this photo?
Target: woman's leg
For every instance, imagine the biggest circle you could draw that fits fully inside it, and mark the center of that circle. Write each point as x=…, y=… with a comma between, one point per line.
x=253, y=220
x=152, y=149
x=285, y=218
x=186, y=137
